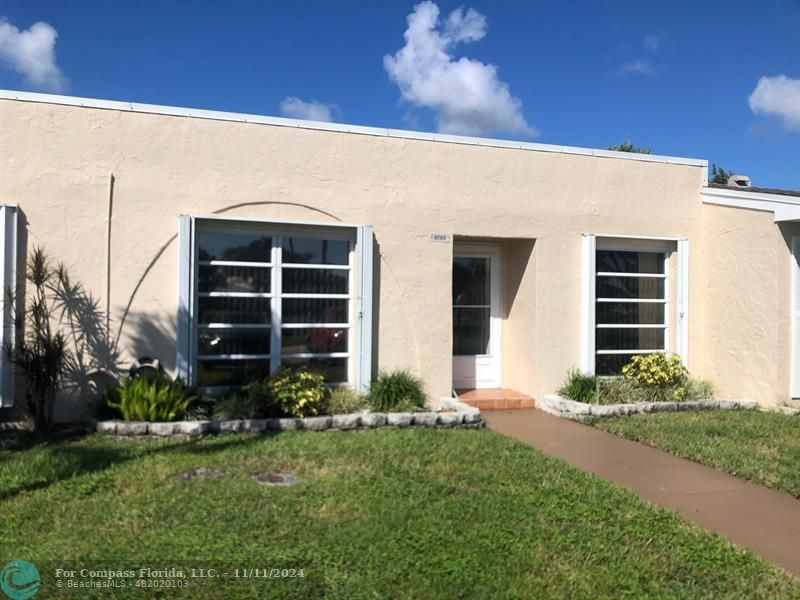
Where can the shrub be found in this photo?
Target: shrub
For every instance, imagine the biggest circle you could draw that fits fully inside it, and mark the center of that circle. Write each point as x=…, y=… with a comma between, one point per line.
x=293, y=392
x=343, y=400
x=618, y=390
x=235, y=405
x=655, y=370
x=699, y=389
x=141, y=399
x=581, y=387
x=395, y=391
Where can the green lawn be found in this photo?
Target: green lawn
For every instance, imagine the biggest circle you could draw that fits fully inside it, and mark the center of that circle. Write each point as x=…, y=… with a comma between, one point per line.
x=761, y=446
x=377, y=514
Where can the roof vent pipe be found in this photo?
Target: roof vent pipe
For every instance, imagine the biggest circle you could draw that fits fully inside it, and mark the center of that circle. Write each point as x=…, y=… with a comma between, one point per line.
x=742, y=181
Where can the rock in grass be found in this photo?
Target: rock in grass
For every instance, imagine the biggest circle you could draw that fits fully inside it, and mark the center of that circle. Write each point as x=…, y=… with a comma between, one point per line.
x=344, y=422
x=450, y=419
x=426, y=419
x=164, y=429
x=373, y=419
x=317, y=423
x=132, y=428
x=399, y=419
x=195, y=427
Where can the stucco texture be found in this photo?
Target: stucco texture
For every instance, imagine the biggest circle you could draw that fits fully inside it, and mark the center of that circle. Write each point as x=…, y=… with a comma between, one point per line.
x=56, y=163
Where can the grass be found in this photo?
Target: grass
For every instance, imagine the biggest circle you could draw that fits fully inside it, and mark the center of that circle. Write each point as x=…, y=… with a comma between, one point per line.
x=761, y=446
x=377, y=514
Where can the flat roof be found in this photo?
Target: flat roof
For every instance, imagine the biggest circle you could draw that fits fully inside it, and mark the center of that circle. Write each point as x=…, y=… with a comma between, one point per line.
x=338, y=127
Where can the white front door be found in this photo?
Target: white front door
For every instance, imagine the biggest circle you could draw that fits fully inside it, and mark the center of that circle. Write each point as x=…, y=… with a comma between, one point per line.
x=476, y=317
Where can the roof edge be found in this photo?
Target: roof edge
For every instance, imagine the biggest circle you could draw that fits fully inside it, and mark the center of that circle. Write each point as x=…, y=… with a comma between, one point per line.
x=337, y=127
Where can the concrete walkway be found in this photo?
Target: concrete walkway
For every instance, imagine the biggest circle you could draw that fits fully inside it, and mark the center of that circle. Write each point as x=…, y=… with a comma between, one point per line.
x=751, y=516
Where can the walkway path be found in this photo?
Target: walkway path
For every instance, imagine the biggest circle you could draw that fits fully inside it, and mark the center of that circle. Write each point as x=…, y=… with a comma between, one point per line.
x=752, y=516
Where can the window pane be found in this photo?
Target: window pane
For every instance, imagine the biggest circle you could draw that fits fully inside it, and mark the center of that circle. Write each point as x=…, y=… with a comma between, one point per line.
x=315, y=251
x=233, y=310
x=233, y=341
x=334, y=370
x=234, y=245
x=322, y=340
x=611, y=364
x=314, y=310
x=233, y=279
x=471, y=331
x=470, y=281
x=623, y=261
x=231, y=372
x=630, y=287
x=629, y=313
x=630, y=339
x=315, y=281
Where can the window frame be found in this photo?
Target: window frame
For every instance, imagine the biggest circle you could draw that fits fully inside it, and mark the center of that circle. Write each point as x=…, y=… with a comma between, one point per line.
x=670, y=247
x=358, y=296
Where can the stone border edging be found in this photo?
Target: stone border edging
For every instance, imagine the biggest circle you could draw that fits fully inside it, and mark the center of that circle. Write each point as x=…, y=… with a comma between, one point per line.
x=581, y=411
x=459, y=418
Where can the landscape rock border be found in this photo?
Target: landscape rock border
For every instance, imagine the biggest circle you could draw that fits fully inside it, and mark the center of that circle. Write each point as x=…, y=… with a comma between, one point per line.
x=467, y=419
x=581, y=411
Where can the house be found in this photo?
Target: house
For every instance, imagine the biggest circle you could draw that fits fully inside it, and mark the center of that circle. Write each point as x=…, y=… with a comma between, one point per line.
x=227, y=244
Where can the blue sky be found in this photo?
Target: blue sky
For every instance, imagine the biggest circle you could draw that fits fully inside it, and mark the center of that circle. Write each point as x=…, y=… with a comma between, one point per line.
x=697, y=79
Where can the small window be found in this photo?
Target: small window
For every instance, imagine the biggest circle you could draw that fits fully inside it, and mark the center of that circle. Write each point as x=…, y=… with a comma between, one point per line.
x=631, y=313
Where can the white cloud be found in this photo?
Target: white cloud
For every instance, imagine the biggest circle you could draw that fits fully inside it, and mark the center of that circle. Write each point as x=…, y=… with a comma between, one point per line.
x=465, y=94
x=652, y=42
x=779, y=97
x=32, y=54
x=640, y=66
x=295, y=108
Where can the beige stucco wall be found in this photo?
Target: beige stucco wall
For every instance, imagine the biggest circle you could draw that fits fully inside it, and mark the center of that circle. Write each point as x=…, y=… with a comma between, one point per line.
x=56, y=163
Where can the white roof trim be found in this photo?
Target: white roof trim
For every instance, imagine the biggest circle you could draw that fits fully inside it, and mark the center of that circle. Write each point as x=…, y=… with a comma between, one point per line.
x=338, y=127
x=785, y=208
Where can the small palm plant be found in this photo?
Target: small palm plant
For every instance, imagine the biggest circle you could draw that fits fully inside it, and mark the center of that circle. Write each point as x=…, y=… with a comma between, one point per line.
x=145, y=399
x=40, y=353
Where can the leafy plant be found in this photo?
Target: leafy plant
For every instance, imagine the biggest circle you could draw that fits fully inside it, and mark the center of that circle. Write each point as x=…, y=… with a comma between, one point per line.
x=40, y=353
x=618, y=390
x=142, y=399
x=719, y=175
x=395, y=391
x=344, y=400
x=581, y=387
x=699, y=389
x=627, y=146
x=659, y=372
x=291, y=391
x=235, y=405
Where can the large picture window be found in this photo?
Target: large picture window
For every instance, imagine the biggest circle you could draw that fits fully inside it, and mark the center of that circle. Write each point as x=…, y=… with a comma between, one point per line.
x=266, y=297
x=631, y=306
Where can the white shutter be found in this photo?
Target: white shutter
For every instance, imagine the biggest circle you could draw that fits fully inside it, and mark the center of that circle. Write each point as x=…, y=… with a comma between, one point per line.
x=682, y=341
x=184, y=361
x=588, y=261
x=363, y=338
x=8, y=287
x=795, y=377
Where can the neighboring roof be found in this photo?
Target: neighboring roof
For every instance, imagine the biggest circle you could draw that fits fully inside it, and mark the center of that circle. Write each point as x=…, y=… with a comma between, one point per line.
x=755, y=190
x=339, y=127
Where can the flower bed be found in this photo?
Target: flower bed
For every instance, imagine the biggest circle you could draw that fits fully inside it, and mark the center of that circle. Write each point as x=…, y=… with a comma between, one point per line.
x=582, y=411
x=458, y=415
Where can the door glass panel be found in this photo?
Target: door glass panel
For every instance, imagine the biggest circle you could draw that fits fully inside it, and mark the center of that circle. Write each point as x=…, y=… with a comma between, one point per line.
x=630, y=339
x=233, y=310
x=314, y=310
x=317, y=340
x=217, y=342
x=625, y=261
x=630, y=313
x=630, y=287
x=470, y=281
x=471, y=331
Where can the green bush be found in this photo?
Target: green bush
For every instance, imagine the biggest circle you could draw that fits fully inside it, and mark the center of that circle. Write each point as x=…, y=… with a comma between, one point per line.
x=699, y=389
x=235, y=405
x=292, y=392
x=344, y=400
x=141, y=399
x=581, y=387
x=398, y=390
x=618, y=390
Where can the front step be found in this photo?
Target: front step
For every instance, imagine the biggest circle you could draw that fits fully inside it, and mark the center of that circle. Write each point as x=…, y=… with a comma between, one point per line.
x=495, y=399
